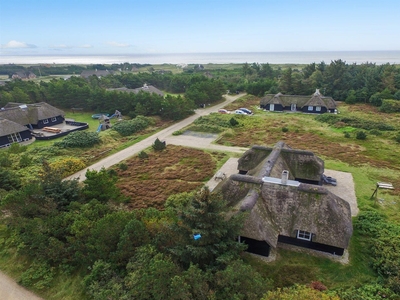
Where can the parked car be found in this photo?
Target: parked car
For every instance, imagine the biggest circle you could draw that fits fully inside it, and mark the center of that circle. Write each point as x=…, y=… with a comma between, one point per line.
x=240, y=112
x=328, y=180
x=247, y=111
x=223, y=111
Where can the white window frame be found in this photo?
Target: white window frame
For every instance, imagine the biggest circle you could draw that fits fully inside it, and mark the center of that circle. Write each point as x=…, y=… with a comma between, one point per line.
x=318, y=108
x=14, y=137
x=304, y=235
x=45, y=121
x=53, y=119
x=310, y=108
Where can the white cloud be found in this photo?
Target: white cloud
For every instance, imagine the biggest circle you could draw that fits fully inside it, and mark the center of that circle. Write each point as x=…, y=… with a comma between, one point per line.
x=119, y=45
x=15, y=45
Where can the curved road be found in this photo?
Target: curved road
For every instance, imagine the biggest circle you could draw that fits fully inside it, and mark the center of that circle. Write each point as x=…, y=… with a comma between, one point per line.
x=163, y=135
x=10, y=290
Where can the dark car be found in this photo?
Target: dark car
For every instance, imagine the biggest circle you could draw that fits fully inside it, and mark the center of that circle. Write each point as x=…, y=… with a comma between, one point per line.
x=247, y=111
x=328, y=180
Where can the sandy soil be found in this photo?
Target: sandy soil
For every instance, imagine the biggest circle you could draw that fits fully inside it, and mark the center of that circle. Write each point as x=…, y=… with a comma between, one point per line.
x=10, y=290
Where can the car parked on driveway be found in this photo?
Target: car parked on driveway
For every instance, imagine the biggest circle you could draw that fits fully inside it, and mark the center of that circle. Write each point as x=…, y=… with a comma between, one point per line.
x=240, y=112
x=247, y=111
x=223, y=111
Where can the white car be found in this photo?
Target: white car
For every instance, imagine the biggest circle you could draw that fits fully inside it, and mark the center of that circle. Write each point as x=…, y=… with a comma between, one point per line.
x=240, y=112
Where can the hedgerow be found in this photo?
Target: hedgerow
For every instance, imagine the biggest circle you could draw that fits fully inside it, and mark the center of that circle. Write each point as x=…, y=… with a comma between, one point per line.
x=126, y=128
x=79, y=139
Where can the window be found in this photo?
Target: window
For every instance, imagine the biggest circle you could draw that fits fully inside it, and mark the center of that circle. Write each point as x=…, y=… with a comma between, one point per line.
x=304, y=235
x=14, y=137
x=318, y=108
x=45, y=121
x=53, y=119
x=310, y=108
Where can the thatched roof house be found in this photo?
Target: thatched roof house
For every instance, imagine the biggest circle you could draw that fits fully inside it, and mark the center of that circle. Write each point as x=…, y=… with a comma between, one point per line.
x=145, y=88
x=36, y=115
x=99, y=73
x=316, y=104
x=12, y=132
x=279, y=189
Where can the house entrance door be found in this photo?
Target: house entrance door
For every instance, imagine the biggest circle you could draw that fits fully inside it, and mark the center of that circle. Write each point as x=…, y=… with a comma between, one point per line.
x=293, y=107
x=271, y=107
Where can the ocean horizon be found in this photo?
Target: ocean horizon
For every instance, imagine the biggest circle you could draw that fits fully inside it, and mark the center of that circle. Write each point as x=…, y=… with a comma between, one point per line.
x=300, y=57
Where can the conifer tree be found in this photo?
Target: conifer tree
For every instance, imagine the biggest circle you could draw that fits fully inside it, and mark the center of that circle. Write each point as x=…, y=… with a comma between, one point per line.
x=207, y=236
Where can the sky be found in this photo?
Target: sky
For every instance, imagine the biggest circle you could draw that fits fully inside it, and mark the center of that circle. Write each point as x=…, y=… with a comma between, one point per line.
x=101, y=27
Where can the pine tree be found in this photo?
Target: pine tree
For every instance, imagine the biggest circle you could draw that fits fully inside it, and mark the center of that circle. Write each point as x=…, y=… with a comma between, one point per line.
x=207, y=216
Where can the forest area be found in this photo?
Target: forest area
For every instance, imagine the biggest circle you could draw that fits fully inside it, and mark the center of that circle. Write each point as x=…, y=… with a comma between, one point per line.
x=63, y=229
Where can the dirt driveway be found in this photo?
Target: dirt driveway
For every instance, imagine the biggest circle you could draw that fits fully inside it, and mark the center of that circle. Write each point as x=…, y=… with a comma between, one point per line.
x=10, y=290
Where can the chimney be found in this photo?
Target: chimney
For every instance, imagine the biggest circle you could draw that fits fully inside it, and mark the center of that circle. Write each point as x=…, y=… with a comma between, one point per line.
x=285, y=177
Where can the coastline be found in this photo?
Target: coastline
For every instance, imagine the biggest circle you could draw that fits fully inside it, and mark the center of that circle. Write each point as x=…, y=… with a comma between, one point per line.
x=350, y=57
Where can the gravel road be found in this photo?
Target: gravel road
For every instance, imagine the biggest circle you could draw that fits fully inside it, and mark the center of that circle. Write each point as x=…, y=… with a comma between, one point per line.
x=10, y=290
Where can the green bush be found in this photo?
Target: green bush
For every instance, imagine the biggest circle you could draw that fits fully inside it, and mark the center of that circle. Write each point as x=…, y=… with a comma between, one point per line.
x=143, y=155
x=233, y=122
x=285, y=129
x=123, y=166
x=16, y=148
x=158, y=145
x=390, y=106
x=178, y=132
x=354, y=122
x=347, y=135
x=397, y=138
x=79, y=139
x=361, y=135
x=126, y=128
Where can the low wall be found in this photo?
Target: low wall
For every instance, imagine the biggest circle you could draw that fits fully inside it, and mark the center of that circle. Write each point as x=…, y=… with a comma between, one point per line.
x=79, y=126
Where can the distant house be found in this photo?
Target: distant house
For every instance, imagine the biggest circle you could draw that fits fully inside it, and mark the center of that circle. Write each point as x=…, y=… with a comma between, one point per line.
x=24, y=75
x=145, y=88
x=33, y=116
x=99, y=73
x=280, y=190
x=12, y=132
x=317, y=103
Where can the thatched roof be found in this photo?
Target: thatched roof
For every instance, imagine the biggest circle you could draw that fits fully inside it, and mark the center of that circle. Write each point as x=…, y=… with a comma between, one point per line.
x=8, y=127
x=262, y=161
x=25, y=114
x=287, y=100
x=275, y=208
x=145, y=88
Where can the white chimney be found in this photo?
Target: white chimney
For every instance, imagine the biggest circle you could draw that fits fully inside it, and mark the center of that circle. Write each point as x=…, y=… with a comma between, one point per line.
x=285, y=177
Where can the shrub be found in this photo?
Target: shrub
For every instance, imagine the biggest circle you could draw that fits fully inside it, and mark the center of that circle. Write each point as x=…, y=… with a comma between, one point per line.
x=347, y=135
x=126, y=128
x=397, y=138
x=67, y=166
x=123, y=166
x=233, y=122
x=390, y=106
x=25, y=161
x=178, y=132
x=143, y=155
x=16, y=148
x=285, y=129
x=158, y=145
x=79, y=139
x=361, y=135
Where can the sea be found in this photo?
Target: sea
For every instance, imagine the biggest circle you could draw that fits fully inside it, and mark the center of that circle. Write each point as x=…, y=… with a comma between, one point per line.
x=350, y=57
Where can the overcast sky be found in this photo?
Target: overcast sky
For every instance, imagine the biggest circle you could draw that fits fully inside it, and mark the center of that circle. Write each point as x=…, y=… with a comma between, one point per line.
x=197, y=26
